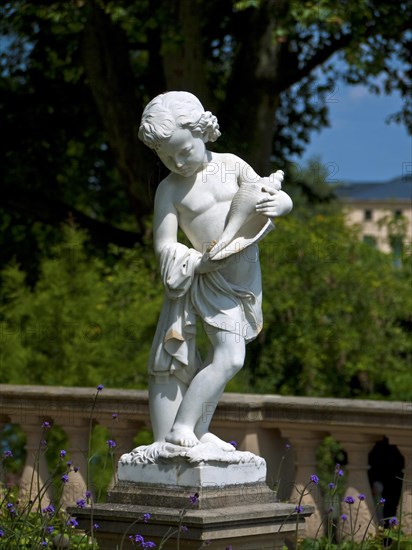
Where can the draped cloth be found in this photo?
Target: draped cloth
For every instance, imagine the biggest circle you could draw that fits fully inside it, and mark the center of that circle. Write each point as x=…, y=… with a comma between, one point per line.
x=219, y=303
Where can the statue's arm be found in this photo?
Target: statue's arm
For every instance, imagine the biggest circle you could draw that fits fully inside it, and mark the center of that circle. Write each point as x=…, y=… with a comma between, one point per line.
x=165, y=221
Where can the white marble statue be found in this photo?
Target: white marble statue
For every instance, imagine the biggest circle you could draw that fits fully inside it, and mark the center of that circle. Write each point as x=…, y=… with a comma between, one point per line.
x=215, y=280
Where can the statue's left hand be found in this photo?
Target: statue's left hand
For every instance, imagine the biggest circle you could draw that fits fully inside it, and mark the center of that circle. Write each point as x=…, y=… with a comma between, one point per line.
x=274, y=204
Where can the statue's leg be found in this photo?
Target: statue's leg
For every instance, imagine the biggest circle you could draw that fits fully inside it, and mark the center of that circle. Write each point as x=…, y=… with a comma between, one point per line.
x=206, y=389
x=164, y=402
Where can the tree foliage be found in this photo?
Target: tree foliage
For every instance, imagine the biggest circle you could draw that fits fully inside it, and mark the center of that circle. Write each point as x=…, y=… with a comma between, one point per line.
x=335, y=312
x=76, y=75
x=84, y=321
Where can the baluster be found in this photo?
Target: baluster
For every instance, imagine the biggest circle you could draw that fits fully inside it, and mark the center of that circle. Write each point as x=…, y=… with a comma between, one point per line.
x=357, y=447
x=35, y=472
x=404, y=445
x=250, y=441
x=304, y=444
x=78, y=446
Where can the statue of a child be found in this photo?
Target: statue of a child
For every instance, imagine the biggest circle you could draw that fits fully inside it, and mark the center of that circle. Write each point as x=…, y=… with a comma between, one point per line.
x=225, y=294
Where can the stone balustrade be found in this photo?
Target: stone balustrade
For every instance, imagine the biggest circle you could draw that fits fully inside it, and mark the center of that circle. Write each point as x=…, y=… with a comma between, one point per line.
x=263, y=424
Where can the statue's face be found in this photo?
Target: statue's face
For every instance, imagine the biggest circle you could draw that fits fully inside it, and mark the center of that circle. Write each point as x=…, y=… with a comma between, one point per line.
x=183, y=153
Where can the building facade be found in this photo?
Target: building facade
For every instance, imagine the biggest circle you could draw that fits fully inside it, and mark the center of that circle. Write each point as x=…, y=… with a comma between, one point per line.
x=381, y=211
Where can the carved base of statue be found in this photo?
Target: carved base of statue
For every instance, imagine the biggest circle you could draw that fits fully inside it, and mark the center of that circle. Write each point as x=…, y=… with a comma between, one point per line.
x=204, y=464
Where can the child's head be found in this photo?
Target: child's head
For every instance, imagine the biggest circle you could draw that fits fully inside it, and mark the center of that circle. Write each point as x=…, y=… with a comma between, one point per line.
x=172, y=110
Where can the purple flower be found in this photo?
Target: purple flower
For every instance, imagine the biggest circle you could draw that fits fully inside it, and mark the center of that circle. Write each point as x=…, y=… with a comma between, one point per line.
x=111, y=444
x=46, y=425
x=344, y=517
x=7, y=454
x=184, y=529
x=64, y=478
x=382, y=501
x=299, y=509
x=72, y=523
x=75, y=469
x=146, y=517
x=331, y=485
x=96, y=526
x=338, y=470
x=88, y=494
x=349, y=500
x=234, y=443
x=114, y=416
x=287, y=446
x=100, y=387
x=49, y=510
x=361, y=497
x=62, y=453
x=49, y=529
x=10, y=508
x=69, y=463
x=314, y=479
x=149, y=544
x=136, y=538
x=194, y=499
x=393, y=522
x=81, y=503
x=228, y=547
x=1, y=533
x=44, y=543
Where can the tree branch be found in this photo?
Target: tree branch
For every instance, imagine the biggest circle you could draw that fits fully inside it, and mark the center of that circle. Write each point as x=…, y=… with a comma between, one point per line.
x=288, y=78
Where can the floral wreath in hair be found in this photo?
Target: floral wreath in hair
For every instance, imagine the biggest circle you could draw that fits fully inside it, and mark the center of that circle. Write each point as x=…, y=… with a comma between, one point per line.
x=208, y=126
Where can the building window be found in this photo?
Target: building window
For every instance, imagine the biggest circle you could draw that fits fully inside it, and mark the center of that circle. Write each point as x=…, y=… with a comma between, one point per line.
x=367, y=215
x=370, y=240
x=398, y=213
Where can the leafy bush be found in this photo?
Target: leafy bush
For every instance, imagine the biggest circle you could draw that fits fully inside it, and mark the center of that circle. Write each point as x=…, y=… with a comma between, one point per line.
x=84, y=320
x=335, y=312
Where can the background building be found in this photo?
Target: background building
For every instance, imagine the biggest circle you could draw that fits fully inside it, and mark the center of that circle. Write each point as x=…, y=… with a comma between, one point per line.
x=382, y=211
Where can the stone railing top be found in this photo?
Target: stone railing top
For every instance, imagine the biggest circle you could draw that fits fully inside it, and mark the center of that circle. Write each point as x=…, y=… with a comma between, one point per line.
x=269, y=411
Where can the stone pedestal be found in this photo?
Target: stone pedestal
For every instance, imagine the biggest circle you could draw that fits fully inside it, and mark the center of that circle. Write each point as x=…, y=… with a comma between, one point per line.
x=206, y=504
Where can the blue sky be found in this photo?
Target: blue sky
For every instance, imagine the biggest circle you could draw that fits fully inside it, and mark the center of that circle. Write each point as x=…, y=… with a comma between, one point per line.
x=359, y=145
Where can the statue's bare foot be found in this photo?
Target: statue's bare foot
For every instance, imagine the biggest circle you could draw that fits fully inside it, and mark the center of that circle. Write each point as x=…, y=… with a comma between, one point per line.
x=211, y=438
x=183, y=437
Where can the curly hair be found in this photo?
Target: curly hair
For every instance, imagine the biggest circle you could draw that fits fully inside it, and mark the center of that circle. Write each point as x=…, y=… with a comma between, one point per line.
x=172, y=110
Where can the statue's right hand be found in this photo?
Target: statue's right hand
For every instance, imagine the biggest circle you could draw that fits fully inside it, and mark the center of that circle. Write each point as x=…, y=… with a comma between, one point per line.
x=206, y=265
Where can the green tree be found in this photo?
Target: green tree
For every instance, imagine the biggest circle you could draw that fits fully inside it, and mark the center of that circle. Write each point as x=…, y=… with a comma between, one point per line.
x=85, y=321
x=336, y=314
x=76, y=75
